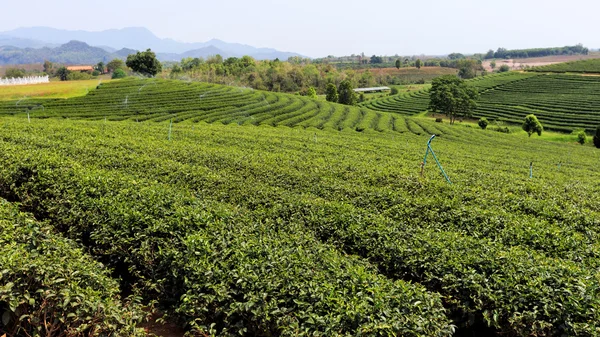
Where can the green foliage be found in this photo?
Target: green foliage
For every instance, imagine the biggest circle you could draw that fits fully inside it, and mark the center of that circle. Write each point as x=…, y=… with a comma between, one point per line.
x=452, y=96
x=145, y=63
x=78, y=76
x=418, y=63
x=532, y=125
x=114, y=65
x=62, y=73
x=312, y=93
x=581, y=137
x=468, y=68
x=394, y=91
x=14, y=73
x=591, y=66
x=100, y=67
x=503, y=53
x=361, y=97
x=376, y=59
x=49, y=284
x=310, y=224
x=118, y=73
x=398, y=64
x=48, y=67
x=95, y=73
x=493, y=64
x=221, y=268
x=597, y=138
x=503, y=68
x=331, y=93
x=346, y=93
x=483, y=123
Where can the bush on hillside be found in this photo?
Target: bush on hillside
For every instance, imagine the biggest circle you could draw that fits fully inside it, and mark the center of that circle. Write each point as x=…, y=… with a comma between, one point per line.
x=48, y=284
x=119, y=73
x=483, y=123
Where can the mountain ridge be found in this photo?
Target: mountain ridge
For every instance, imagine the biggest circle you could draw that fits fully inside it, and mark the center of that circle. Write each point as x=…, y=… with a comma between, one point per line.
x=137, y=38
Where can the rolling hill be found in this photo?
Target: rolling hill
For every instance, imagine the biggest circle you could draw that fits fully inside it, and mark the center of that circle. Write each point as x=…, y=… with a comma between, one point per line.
x=252, y=214
x=561, y=102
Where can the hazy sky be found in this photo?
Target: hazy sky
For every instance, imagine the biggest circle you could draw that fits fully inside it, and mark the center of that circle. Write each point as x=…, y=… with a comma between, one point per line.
x=319, y=28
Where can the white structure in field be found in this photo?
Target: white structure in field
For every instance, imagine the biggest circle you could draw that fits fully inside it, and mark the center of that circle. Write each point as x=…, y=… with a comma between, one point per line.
x=24, y=80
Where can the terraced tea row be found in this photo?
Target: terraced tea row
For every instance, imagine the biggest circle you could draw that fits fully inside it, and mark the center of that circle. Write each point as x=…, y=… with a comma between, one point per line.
x=497, y=245
x=162, y=100
x=561, y=102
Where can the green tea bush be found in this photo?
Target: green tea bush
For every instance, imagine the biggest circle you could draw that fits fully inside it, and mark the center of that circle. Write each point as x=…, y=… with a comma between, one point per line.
x=49, y=287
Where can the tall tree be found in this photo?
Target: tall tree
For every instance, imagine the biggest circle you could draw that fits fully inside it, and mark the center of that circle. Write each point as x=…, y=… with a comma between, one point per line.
x=62, y=73
x=144, y=62
x=48, y=67
x=100, y=67
x=398, y=63
x=418, y=63
x=531, y=125
x=452, y=96
x=346, y=93
x=14, y=73
x=114, y=65
x=331, y=94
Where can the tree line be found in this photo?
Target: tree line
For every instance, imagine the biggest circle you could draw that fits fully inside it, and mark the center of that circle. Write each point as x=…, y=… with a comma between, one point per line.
x=503, y=53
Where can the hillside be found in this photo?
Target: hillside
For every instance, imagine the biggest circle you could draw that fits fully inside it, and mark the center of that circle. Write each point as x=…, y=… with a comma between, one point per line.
x=73, y=52
x=274, y=230
x=561, y=102
x=584, y=66
x=160, y=100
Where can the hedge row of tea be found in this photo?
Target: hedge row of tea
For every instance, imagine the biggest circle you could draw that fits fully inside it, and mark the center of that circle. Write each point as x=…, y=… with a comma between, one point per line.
x=561, y=102
x=159, y=100
x=220, y=268
x=50, y=287
x=284, y=231
x=591, y=66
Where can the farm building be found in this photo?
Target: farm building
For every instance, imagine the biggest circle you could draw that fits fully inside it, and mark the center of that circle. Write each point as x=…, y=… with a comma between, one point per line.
x=375, y=89
x=80, y=68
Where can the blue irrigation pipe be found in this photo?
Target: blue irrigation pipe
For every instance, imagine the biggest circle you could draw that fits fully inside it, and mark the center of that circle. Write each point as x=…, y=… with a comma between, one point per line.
x=429, y=149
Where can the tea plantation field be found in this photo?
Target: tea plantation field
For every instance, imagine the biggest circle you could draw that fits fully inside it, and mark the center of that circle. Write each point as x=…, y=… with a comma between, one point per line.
x=561, y=102
x=263, y=231
x=161, y=100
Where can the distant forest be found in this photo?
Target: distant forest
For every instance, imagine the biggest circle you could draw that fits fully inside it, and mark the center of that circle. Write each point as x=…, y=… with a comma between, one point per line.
x=503, y=53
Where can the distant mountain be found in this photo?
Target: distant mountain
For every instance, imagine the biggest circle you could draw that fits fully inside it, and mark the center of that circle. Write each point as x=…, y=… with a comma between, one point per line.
x=73, y=52
x=6, y=40
x=139, y=39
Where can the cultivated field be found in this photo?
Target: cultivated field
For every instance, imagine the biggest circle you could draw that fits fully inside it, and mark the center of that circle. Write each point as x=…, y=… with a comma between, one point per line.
x=561, y=102
x=56, y=89
x=242, y=212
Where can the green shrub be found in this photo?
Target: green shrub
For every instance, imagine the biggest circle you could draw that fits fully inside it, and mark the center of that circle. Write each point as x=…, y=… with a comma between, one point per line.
x=95, y=73
x=78, y=76
x=483, y=123
x=47, y=282
x=394, y=91
x=119, y=73
x=581, y=136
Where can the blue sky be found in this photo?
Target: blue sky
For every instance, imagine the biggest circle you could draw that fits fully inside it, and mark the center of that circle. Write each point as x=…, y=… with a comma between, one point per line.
x=319, y=28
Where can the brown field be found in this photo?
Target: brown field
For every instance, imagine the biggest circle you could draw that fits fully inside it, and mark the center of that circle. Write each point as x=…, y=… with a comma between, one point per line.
x=516, y=64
